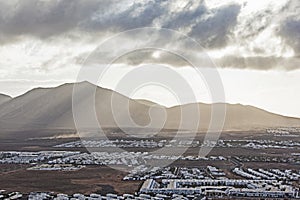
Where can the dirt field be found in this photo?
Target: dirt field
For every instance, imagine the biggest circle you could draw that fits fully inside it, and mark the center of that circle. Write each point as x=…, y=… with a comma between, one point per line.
x=99, y=179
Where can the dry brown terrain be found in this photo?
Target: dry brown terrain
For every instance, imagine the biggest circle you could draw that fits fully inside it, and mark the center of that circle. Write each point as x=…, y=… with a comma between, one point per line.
x=98, y=179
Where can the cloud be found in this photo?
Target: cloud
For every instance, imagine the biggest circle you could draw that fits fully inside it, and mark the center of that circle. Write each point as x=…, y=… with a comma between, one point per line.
x=139, y=14
x=49, y=18
x=259, y=62
x=261, y=35
x=214, y=30
x=290, y=31
x=46, y=18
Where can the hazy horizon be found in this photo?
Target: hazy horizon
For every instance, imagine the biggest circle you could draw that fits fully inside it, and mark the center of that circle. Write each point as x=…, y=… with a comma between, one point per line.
x=150, y=97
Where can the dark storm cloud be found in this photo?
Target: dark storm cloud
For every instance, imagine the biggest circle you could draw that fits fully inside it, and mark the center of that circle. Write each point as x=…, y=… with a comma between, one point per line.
x=212, y=28
x=135, y=16
x=214, y=31
x=186, y=16
x=290, y=26
x=46, y=18
x=290, y=31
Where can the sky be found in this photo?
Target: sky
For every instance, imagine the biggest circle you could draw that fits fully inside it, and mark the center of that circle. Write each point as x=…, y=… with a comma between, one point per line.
x=254, y=44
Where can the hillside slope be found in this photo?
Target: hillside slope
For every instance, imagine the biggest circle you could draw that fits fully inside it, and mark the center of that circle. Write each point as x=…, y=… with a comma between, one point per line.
x=52, y=108
x=4, y=98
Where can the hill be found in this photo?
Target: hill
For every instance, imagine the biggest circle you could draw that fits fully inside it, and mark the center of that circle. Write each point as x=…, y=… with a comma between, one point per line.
x=4, y=98
x=51, y=108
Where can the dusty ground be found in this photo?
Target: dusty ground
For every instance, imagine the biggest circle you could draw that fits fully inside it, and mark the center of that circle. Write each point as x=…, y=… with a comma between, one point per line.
x=99, y=179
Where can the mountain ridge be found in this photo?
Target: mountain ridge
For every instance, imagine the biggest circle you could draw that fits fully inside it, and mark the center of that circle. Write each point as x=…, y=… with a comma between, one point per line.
x=4, y=98
x=52, y=108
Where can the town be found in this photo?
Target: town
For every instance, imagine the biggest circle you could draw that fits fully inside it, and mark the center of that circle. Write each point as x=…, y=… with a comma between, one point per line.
x=238, y=167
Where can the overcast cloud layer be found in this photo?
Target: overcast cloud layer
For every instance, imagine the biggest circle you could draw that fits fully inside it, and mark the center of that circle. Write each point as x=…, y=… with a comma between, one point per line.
x=45, y=35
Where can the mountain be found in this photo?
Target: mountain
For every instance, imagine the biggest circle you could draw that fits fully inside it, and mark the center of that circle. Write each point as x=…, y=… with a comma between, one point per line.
x=239, y=117
x=51, y=108
x=4, y=98
x=147, y=102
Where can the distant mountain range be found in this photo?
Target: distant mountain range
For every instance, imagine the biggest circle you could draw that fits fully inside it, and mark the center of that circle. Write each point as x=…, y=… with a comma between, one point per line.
x=51, y=108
